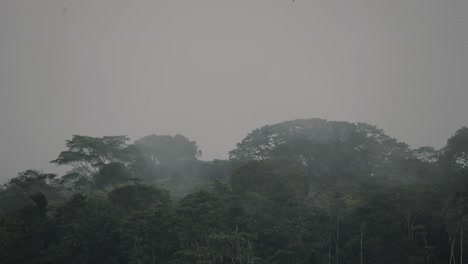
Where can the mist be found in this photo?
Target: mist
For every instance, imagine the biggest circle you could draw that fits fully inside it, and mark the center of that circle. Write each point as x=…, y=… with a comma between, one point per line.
x=279, y=131
x=214, y=70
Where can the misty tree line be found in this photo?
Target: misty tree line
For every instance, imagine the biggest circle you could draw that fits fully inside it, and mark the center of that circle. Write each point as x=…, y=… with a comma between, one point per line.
x=301, y=191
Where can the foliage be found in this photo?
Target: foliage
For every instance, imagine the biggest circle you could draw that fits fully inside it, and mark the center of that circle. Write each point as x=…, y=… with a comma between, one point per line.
x=165, y=149
x=455, y=153
x=139, y=197
x=112, y=173
x=88, y=154
x=301, y=191
x=279, y=179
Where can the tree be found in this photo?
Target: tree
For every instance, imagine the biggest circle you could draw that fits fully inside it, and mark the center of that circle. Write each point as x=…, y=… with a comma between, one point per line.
x=282, y=180
x=455, y=153
x=262, y=142
x=88, y=232
x=137, y=197
x=18, y=190
x=146, y=217
x=426, y=154
x=26, y=233
x=112, y=173
x=87, y=155
x=170, y=162
x=199, y=216
x=330, y=149
x=167, y=150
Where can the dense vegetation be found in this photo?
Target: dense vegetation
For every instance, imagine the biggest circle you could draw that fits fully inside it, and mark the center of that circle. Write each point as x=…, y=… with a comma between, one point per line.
x=301, y=191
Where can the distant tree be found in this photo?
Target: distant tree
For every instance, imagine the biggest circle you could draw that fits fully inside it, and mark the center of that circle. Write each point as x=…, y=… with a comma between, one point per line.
x=87, y=155
x=282, y=180
x=31, y=178
x=17, y=191
x=455, y=153
x=261, y=143
x=136, y=197
x=170, y=162
x=215, y=170
x=167, y=150
x=112, y=173
x=426, y=154
x=329, y=149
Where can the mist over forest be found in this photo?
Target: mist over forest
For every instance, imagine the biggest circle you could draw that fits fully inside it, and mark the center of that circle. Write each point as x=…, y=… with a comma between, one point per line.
x=299, y=191
x=233, y=132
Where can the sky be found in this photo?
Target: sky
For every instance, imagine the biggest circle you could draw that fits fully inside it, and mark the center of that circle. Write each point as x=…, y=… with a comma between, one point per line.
x=214, y=70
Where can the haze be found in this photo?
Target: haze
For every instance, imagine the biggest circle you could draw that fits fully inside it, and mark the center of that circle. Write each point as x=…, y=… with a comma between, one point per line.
x=215, y=70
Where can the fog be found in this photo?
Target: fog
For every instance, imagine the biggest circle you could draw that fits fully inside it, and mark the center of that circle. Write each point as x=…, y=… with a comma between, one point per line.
x=214, y=70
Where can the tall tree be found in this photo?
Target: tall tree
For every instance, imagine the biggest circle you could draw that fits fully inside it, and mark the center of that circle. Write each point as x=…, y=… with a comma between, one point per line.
x=455, y=153
x=329, y=149
x=167, y=150
x=87, y=155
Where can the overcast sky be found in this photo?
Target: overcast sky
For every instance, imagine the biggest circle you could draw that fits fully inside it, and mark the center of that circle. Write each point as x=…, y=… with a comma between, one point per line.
x=213, y=70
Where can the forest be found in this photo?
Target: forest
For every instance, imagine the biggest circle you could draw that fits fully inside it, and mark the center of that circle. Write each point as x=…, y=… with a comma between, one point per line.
x=300, y=191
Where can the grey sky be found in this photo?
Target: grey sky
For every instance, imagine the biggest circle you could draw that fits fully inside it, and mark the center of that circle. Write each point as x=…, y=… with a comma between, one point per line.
x=213, y=70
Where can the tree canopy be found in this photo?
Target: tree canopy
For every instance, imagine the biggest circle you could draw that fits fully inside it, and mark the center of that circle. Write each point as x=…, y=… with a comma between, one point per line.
x=88, y=154
x=301, y=191
x=165, y=149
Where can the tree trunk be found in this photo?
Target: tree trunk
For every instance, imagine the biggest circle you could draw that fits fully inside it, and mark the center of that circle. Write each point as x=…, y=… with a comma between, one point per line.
x=452, y=246
x=329, y=247
x=337, y=237
x=461, y=241
x=152, y=251
x=329, y=234
x=362, y=237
